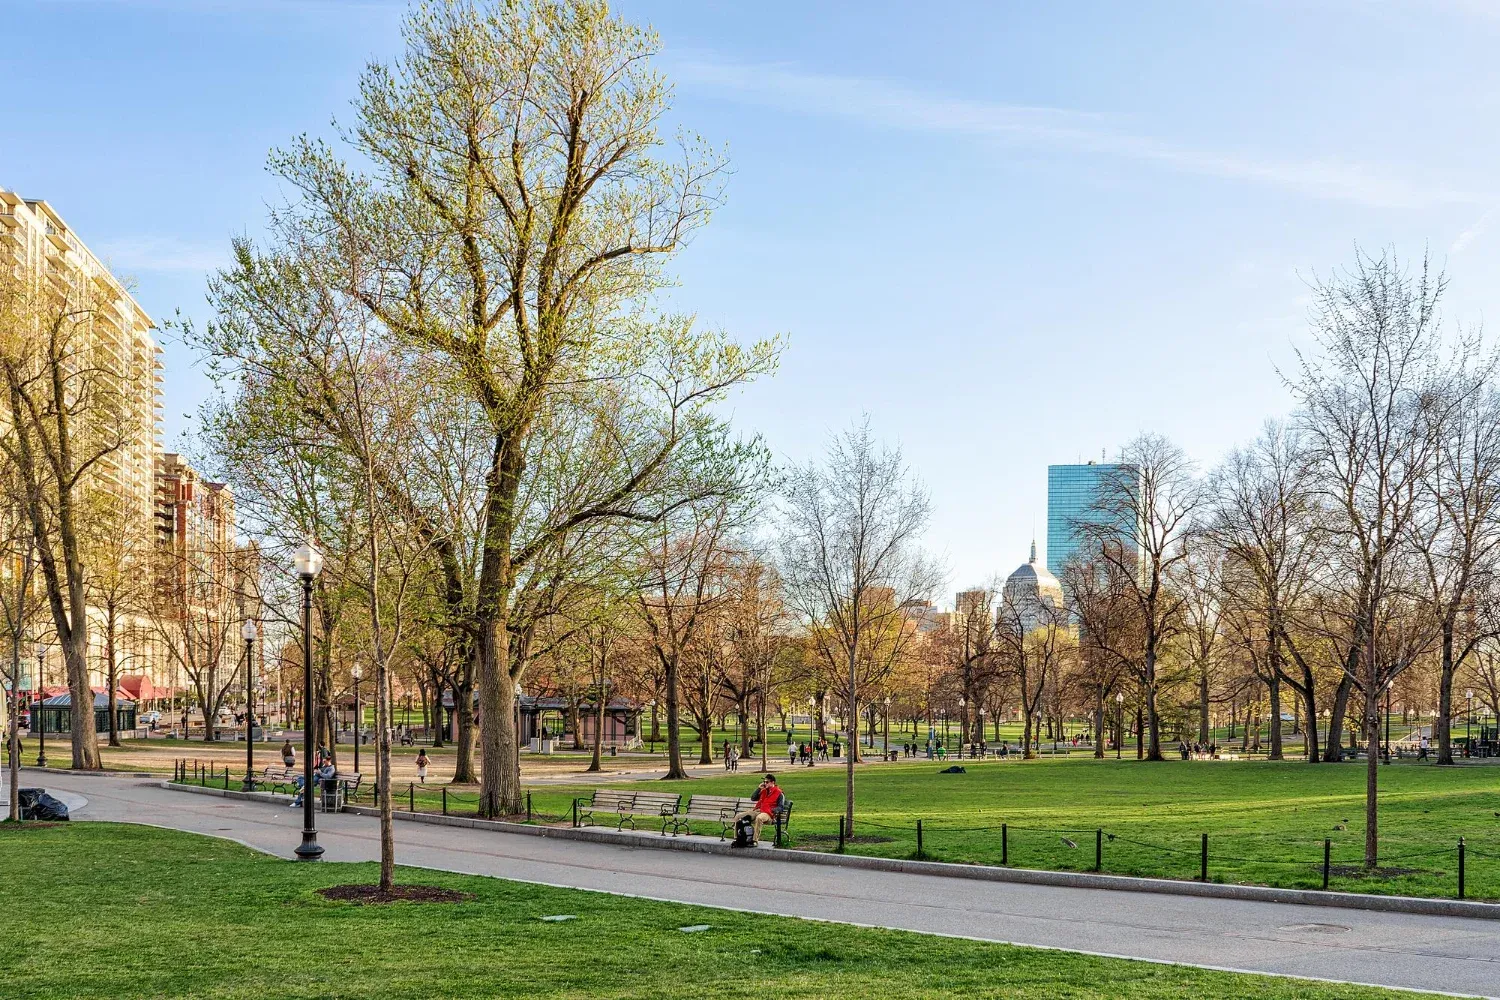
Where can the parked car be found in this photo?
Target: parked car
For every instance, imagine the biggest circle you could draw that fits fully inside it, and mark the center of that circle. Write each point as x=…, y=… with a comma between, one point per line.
x=151, y=719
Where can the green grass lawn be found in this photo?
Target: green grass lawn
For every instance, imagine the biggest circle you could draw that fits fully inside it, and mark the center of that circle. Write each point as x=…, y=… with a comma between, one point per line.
x=1266, y=821
x=123, y=911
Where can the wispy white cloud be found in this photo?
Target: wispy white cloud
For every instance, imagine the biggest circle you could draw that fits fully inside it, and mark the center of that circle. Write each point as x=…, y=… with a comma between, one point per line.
x=158, y=254
x=891, y=105
x=1469, y=235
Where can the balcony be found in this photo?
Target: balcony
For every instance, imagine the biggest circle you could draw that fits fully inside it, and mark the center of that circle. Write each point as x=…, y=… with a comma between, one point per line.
x=57, y=239
x=9, y=221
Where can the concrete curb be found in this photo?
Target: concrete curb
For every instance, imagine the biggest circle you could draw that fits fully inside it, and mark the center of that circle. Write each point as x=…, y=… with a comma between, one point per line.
x=91, y=774
x=984, y=873
x=274, y=798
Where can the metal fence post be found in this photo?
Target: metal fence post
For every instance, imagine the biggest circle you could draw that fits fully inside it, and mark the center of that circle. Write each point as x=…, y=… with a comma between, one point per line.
x=1004, y=844
x=1203, y=861
x=445, y=800
x=411, y=796
x=1327, y=849
x=919, y=839
x=1099, y=849
x=575, y=812
x=841, y=835
x=1460, y=868
x=528, y=807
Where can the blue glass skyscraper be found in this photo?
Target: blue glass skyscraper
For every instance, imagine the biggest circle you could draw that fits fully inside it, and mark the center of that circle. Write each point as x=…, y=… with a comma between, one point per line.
x=1072, y=495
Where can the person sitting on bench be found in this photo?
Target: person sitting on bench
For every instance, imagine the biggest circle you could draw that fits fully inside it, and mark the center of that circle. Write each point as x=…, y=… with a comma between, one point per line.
x=767, y=799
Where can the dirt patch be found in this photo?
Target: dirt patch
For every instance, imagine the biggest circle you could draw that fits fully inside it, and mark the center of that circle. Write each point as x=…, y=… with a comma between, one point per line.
x=833, y=838
x=1360, y=871
x=29, y=824
x=397, y=894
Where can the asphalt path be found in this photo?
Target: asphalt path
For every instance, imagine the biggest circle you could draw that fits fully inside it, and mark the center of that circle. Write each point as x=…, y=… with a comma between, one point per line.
x=1407, y=951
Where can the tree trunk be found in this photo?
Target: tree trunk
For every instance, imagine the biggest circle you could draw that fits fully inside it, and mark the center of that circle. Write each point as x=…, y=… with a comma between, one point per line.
x=1335, y=749
x=13, y=733
x=575, y=722
x=463, y=744
x=705, y=723
x=1372, y=772
x=1274, y=688
x=1444, y=722
x=1098, y=723
x=675, y=770
x=596, y=763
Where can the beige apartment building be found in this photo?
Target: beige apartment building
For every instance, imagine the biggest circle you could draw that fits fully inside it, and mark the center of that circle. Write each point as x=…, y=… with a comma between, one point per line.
x=189, y=524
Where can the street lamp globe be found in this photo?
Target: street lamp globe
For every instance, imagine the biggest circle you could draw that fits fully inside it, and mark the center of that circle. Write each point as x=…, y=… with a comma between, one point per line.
x=356, y=671
x=248, y=631
x=309, y=560
x=1120, y=698
x=887, y=701
x=1469, y=694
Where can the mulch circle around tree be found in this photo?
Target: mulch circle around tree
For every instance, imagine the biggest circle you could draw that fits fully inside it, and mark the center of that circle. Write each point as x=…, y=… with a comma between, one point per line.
x=397, y=894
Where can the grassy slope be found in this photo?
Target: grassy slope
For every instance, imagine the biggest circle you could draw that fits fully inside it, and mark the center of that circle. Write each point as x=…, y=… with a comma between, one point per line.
x=120, y=912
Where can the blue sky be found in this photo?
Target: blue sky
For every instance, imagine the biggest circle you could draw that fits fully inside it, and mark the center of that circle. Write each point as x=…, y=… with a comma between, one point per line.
x=1015, y=234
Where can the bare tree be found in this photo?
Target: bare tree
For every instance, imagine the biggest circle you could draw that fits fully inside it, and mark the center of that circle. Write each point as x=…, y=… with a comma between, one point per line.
x=1033, y=639
x=849, y=555
x=1366, y=390
x=1139, y=524
x=1264, y=521
x=1456, y=529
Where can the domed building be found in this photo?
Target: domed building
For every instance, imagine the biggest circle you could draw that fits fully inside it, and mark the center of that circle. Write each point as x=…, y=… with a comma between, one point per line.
x=1031, y=587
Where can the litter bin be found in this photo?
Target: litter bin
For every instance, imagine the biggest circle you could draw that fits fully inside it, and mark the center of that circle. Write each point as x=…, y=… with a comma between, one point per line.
x=331, y=795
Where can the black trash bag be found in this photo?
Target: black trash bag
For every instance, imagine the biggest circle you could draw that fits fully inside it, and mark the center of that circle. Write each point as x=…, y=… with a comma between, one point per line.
x=36, y=804
x=955, y=769
x=744, y=832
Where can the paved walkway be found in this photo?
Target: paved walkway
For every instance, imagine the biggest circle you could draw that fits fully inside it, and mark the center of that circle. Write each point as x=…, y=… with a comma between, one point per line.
x=1401, y=950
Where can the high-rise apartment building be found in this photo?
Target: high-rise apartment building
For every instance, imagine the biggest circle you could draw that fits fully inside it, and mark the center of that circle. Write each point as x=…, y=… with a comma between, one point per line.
x=1073, y=493
x=192, y=554
x=35, y=241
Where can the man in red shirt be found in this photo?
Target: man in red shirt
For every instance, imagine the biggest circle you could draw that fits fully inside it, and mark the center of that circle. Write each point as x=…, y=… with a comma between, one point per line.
x=767, y=799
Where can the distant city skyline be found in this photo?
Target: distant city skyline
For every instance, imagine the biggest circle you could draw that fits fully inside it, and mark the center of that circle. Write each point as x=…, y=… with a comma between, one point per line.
x=1014, y=235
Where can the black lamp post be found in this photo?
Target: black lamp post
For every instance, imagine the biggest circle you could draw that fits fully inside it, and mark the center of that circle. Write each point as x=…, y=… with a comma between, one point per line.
x=41, y=696
x=356, y=673
x=1119, y=722
x=247, y=632
x=309, y=563
x=1468, y=719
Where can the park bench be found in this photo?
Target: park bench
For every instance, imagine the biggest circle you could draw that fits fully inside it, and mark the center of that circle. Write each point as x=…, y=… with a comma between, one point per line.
x=722, y=809
x=277, y=776
x=628, y=805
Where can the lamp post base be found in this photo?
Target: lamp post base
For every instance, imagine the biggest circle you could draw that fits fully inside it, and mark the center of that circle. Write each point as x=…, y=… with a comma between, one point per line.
x=309, y=849
x=41, y=760
x=248, y=785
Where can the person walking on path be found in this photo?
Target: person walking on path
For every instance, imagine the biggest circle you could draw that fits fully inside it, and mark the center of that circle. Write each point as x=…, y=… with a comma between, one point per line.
x=288, y=755
x=422, y=763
